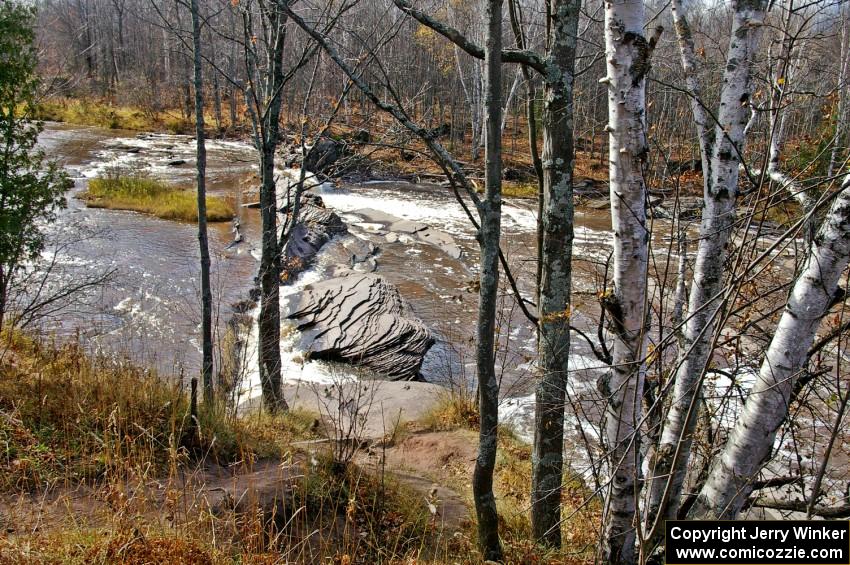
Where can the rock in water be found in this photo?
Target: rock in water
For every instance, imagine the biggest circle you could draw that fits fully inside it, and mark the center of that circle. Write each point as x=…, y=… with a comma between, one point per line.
x=316, y=226
x=361, y=319
x=324, y=154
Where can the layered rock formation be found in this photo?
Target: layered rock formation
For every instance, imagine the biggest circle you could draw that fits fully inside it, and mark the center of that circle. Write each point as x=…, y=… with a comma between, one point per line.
x=316, y=226
x=360, y=319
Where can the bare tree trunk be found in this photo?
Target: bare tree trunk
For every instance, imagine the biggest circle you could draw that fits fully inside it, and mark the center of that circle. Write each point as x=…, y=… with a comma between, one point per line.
x=488, y=237
x=843, y=93
x=721, y=189
x=628, y=53
x=265, y=108
x=206, y=292
x=751, y=441
x=555, y=284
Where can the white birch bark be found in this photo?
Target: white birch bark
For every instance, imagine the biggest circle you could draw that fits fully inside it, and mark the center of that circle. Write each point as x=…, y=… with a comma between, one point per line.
x=627, y=54
x=843, y=88
x=748, y=447
x=721, y=189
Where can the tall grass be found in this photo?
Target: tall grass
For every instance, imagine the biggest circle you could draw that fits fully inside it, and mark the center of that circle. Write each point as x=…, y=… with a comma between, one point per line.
x=100, y=462
x=151, y=196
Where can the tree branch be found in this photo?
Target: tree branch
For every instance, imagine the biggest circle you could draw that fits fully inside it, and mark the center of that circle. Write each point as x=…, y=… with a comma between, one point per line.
x=520, y=56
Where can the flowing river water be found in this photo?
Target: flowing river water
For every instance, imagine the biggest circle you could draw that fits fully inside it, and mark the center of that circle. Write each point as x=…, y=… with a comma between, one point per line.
x=150, y=309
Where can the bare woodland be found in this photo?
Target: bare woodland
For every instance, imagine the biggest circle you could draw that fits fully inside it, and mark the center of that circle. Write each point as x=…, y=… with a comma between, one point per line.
x=721, y=326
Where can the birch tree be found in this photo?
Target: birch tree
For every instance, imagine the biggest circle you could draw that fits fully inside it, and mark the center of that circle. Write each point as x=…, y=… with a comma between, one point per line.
x=730, y=480
x=723, y=149
x=627, y=53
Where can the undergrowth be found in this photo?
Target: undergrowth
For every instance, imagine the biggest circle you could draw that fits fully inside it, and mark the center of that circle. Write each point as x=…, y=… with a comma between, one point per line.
x=580, y=509
x=100, y=462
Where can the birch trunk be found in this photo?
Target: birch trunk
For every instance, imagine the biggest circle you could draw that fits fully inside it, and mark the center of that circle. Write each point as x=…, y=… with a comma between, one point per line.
x=751, y=441
x=555, y=274
x=843, y=90
x=721, y=189
x=490, y=214
x=206, y=292
x=627, y=54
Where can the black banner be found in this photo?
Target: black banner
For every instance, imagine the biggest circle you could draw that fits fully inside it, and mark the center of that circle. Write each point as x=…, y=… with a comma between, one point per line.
x=692, y=542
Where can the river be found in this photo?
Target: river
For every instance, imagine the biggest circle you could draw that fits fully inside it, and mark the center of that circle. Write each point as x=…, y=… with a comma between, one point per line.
x=150, y=311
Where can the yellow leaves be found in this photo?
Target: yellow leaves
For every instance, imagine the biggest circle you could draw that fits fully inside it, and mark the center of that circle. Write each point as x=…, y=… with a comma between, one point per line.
x=780, y=81
x=651, y=354
x=551, y=317
x=439, y=49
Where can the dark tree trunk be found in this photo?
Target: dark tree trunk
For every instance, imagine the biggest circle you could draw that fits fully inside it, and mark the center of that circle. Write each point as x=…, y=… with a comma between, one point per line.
x=490, y=211
x=206, y=292
x=556, y=224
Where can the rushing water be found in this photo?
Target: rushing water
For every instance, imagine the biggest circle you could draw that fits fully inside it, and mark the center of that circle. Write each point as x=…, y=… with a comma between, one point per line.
x=150, y=311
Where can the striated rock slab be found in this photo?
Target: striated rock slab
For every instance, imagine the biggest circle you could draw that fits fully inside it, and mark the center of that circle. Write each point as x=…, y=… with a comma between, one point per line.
x=360, y=319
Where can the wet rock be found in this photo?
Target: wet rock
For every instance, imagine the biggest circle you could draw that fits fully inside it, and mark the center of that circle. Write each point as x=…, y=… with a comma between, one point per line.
x=370, y=265
x=441, y=240
x=361, y=320
x=360, y=249
x=323, y=155
x=316, y=226
x=376, y=216
x=690, y=208
x=406, y=226
x=590, y=188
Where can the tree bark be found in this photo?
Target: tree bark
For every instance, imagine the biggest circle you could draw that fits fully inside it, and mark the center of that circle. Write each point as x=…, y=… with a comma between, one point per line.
x=267, y=117
x=206, y=292
x=720, y=191
x=555, y=274
x=751, y=441
x=627, y=53
x=489, y=234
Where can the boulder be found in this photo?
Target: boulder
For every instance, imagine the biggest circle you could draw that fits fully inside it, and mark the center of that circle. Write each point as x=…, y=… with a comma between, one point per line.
x=323, y=155
x=360, y=319
x=441, y=240
x=406, y=226
x=690, y=208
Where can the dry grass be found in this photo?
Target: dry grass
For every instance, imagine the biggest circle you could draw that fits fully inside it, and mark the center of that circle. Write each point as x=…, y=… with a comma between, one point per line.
x=100, y=464
x=150, y=196
x=458, y=410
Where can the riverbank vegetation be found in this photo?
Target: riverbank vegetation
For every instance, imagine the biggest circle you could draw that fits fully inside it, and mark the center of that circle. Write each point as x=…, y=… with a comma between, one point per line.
x=689, y=362
x=151, y=196
x=108, y=460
